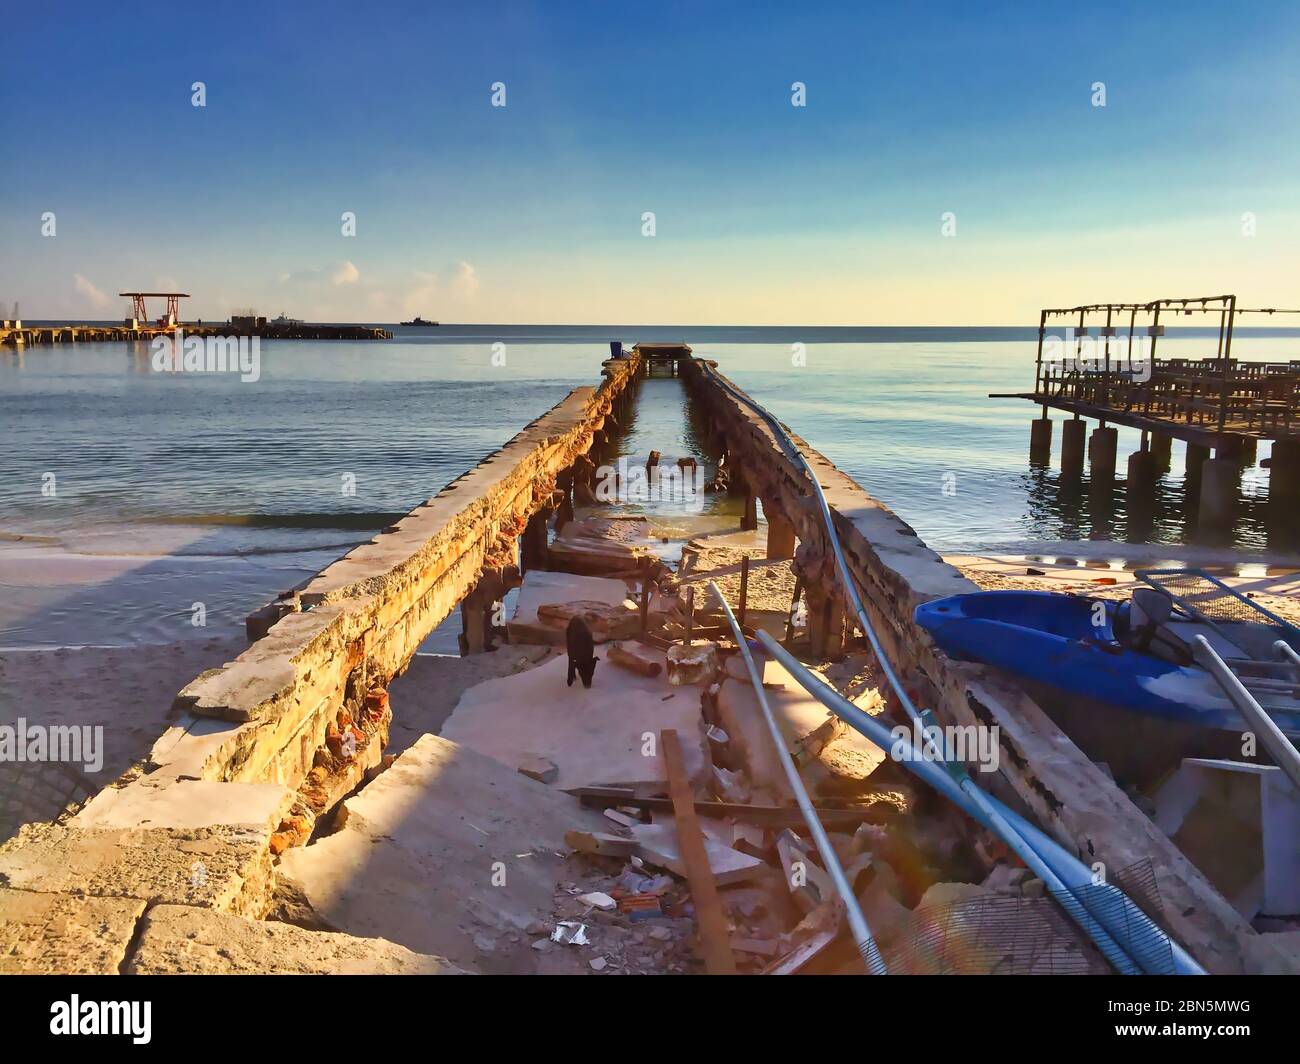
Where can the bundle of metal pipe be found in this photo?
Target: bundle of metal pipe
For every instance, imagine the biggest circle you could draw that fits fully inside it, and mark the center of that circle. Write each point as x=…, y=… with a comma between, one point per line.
x=1107, y=915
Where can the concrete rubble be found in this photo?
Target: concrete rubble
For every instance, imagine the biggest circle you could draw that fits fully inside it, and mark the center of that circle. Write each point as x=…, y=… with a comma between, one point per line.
x=602, y=546
x=547, y=600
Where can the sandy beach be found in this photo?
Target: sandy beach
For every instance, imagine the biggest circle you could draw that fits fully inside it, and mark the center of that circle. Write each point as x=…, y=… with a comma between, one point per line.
x=1278, y=591
x=126, y=691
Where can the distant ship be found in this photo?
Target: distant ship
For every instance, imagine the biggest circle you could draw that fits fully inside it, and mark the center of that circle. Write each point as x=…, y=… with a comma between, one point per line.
x=283, y=320
x=417, y=320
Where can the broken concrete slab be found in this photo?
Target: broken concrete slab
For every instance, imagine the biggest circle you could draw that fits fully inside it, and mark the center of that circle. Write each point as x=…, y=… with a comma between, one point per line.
x=226, y=868
x=184, y=940
x=538, y=768
x=187, y=804
x=658, y=844
x=1273, y=953
x=45, y=934
x=944, y=894
x=443, y=849
x=606, y=622
x=604, y=735
x=542, y=588
x=426, y=693
x=601, y=546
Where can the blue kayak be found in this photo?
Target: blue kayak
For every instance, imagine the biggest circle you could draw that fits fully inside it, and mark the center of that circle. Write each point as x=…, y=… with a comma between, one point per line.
x=1075, y=645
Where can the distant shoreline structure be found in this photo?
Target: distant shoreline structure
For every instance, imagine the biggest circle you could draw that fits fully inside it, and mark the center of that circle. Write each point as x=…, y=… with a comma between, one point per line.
x=115, y=331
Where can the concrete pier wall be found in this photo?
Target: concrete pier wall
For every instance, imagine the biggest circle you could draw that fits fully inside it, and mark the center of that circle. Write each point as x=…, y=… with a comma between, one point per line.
x=257, y=752
x=358, y=622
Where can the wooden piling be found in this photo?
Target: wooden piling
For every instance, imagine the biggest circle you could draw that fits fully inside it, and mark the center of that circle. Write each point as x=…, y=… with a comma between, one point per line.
x=645, y=594
x=744, y=589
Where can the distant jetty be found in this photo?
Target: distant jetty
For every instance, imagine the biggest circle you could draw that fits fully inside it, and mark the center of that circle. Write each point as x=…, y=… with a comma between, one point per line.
x=288, y=329
x=13, y=334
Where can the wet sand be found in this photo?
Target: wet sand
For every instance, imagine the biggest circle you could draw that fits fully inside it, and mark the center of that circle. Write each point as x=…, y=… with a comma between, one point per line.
x=1278, y=592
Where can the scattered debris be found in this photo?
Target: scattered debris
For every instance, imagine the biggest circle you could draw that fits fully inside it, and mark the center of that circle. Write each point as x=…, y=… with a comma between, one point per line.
x=659, y=845
x=598, y=900
x=636, y=657
x=597, y=843
x=689, y=665
x=536, y=767
x=570, y=933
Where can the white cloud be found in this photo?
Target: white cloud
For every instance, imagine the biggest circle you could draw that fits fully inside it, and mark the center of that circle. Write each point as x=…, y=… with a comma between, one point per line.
x=84, y=288
x=346, y=294
x=336, y=273
x=344, y=273
x=420, y=294
x=465, y=283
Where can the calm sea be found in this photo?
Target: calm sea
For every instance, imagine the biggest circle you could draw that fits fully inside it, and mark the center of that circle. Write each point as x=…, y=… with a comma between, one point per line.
x=152, y=491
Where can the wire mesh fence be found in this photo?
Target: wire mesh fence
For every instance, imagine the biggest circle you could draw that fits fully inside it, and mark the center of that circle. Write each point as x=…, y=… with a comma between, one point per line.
x=1005, y=934
x=1204, y=595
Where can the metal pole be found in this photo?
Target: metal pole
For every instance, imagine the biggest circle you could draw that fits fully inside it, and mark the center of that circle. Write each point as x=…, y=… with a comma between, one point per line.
x=1038, y=364
x=1273, y=738
x=1105, y=376
x=1227, y=351
x=1109, y=918
x=867, y=947
x=1079, y=377
x=1155, y=335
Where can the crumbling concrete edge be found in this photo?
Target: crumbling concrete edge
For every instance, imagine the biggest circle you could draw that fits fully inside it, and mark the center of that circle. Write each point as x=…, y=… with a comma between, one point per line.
x=264, y=717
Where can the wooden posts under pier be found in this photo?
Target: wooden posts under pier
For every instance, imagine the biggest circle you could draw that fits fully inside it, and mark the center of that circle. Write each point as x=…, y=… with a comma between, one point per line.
x=656, y=358
x=1212, y=469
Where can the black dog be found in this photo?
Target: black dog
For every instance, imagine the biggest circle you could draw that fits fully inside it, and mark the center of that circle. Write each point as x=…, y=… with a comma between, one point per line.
x=578, y=641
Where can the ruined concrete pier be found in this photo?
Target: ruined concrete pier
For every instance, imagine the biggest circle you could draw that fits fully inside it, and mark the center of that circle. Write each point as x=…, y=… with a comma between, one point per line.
x=269, y=742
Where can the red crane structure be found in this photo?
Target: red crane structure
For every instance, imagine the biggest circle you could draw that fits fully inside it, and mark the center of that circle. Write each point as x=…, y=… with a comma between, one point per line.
x=173, y=306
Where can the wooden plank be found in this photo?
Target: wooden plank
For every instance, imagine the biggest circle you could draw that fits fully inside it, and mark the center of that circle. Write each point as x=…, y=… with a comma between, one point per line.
x=801, y=955
x=768, y=815
x=715, y=938
x=794, y=608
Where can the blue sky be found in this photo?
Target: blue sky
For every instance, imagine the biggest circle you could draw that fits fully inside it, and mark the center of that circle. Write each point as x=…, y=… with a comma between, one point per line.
x=764, y=212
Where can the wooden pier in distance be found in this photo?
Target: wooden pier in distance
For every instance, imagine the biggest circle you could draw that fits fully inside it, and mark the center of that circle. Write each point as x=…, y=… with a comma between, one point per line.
x=662, y=356
x=1106, y=369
